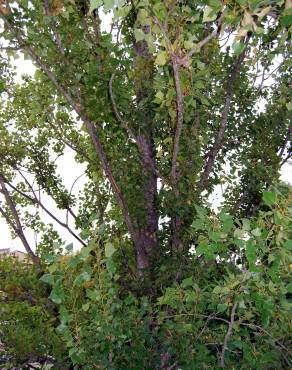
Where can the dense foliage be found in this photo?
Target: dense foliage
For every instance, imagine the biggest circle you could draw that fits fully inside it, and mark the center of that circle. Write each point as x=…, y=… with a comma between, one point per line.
x=28, y=321
x=232, y=312
x=172, y=102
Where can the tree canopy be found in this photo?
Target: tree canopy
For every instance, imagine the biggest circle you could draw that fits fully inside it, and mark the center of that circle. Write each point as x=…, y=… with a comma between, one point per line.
x=176, y=99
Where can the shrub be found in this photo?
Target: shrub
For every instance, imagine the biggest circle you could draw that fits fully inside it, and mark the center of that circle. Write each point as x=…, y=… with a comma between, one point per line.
x=27, y=328
x=230, y=304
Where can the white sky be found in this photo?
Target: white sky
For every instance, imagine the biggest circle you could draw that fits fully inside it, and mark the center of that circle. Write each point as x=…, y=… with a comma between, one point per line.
x=70, y=170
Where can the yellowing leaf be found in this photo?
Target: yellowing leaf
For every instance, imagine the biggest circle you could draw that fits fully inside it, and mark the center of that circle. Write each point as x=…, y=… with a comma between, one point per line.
x=242, y=32
x=159, y=95
x=263, y=12
x=94, y=4
x=139, y=34
x=109, y=250
x=56, y=6
x=143, y=17
x=248, y=21
x=109, y=4
x=209, y=14
x=188, y=45
x=161, y=58
x=288, y=4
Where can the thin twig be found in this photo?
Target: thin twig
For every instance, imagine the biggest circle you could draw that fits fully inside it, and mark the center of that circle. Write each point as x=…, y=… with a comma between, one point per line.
x=209, y=318
x=70, y=193
x=56, y=39
x=289, y=155
x=179, y=118
x=35, y=200
x=18, y=228
x=117, y=114
x=209, y=37
x=212, y=154
x=276, y=344
x=229, y=333
x=287, y=138
x=93, y=133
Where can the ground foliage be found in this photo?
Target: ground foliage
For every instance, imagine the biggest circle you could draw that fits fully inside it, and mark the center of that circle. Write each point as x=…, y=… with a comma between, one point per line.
x=28, y=319
x=224, y=311
x=176, y=100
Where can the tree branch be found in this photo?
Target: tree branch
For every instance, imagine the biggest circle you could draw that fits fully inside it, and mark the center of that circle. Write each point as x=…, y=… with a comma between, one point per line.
x=176, y=63
x=17, y=226
x=57, y=39
x=286, y=140
x=228, y=334
x=209, y=37
x=277, y=344
x=288, y=156
x=132, y=135
x=211, y=156
x=93, y=135
x=179, y=118
x=35, y=200
x=70, y=193
x=117, y=114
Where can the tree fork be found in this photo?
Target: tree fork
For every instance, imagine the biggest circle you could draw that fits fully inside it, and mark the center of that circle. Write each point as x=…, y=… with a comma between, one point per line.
x=142, y=257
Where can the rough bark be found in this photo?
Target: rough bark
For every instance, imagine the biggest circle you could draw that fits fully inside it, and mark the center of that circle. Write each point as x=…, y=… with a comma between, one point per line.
x=147, y=230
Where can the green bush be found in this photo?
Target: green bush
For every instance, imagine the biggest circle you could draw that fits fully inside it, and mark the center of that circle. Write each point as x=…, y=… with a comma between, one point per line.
x=229, y=306
x=27, y=327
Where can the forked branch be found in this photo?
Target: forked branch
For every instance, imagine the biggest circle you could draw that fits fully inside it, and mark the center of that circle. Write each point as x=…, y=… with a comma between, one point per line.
x=212, y=154
x=90, y=126
x=228, y=334
x=16, y=223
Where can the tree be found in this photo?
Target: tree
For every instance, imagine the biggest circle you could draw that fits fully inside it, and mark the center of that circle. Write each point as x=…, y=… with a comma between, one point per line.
x=162, y=100
x=169, y=104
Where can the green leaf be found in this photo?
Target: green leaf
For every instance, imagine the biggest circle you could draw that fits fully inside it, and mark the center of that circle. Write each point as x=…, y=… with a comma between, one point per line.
x=209, y=14
x=85, y=251
x=188, y=282
x=143, y=17
x=109, y=249
x=94, y=4
x=161, y=58
x=201, y=66
x=251, y=253
x=269, y=197
x=139, y=34
x=48, y=279
x=190, y=296
x=201, y=212
x=198, y=224
x=69, y=248
x=256, y=232
x=85, y=307
x=245, y=224
x=159, y=95
x=222, y=307
x=238, y=47
x=56, y=296
x=188, y=45
x=84, y=276
x=288, y=245
x=64, y=315
x=286, y=21
x=109, y=4
x=92, y=294
x=227, y=225
x=111, y=267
